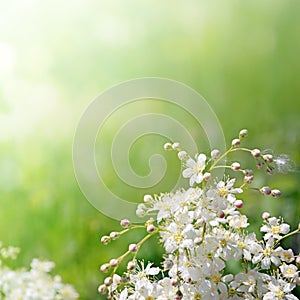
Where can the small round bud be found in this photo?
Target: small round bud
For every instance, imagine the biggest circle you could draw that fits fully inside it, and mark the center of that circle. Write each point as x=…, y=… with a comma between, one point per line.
x=297, y=261
x=265, y=190
x=108, y=281
x=243, y=133
x=148, y=198
x=131, y=265
x=141, y=210
x=125, y=223
x=105, y=240
x=235, y=142
x=235, y=166
x=133, y=247
x=249, y=172
x=215, y=154
x=238, y=204
x=276, y=193
x=206, y=176
x=113, y=262
x=260, y=165
x=270, y=170
x=265, y=215
x=268, y=158
x=168, y=264
x=117, y=279
x=198, y=240
x=255, y=153
x=174, y=281
x=248, y=179
x=176, y=146
x=168, y=146
x=182, y=155
x=114, y=235
x=102, y=289
x=104, y=268
x=222, y=215
x=150, y=228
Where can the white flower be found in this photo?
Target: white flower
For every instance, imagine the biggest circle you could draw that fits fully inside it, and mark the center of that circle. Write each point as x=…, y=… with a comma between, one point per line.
x=238, y=221
x=265, y=255
x=279, y=290
x=243, y=248
x=273, y=228
x=286, y=255
x=194, y=169
x=289, y=271
x=223, y=193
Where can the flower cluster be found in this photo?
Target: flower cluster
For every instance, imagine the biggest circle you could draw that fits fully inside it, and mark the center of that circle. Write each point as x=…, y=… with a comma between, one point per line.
x=201, y=230
x=35, y=283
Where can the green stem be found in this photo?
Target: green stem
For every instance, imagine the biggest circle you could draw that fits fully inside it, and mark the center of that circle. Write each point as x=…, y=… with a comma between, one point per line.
x=287, y=235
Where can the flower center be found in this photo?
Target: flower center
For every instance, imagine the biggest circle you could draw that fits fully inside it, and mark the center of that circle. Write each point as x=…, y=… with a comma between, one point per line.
x=178, y=237
x=267, y=251
x=223, y=192
x=275, y=229
x=279, y=294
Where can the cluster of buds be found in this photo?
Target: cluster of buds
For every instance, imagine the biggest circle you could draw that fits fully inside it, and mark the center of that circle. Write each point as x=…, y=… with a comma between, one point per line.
x=201, y=230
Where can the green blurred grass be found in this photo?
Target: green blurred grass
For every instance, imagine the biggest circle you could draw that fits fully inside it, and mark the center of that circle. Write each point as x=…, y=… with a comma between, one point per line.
x=243, y=57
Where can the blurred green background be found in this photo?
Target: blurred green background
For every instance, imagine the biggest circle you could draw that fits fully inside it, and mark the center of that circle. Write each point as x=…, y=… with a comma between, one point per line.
x=55, y=57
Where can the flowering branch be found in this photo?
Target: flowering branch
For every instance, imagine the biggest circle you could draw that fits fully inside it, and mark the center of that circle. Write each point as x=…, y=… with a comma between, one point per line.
x=201, y=229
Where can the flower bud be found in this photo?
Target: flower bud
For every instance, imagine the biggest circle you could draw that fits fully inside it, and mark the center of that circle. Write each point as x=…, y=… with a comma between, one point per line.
x=235, y=142
x=235, y=166
x=114, y=235
x=268, y=158
x=131, y=265
x=117, y=279
x=222, y=215
x=168, y=146
x=141, y=210
x=215, y=154
x=105, y=240
x=150, y=228
x=133, y=247
x=206, y=176
x=243, y=133
x=113, y=262
x=270, y=170
x=174, y=281
x=248, y=179
x=260, y=165
x=104, y=268
x=108, y=281
x=265, y=190
x=249, y=172
x=168, y=264
x=198, y=240
x=276, y=193
x=265, y=215
x=238, y=204
x=102, y=289
x=255, y=153
x=182, y=155
x=125, y=223
x=176, y=146
x=148, y=198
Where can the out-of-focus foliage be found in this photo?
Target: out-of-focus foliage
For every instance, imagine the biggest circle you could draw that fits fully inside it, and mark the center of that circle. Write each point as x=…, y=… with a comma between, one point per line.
x=55, y=57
